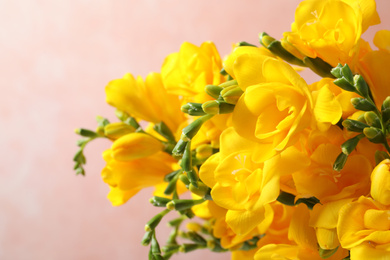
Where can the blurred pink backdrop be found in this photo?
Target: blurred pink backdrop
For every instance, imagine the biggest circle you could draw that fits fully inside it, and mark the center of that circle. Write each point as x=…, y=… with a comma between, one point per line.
x=56, y=58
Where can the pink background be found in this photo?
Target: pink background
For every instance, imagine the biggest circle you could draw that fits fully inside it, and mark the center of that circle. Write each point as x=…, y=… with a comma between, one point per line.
x=56, y=58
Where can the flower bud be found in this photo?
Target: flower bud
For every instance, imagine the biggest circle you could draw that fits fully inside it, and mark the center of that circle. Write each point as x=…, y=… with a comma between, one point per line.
x=214, y=107
x=232, y=94
x=348, y=146
x=362, y=104
x=380, y=182
x=375, y=135
x=135, y=145
x=193, y=109
x=213, y=91
x=372, y=119
x=340, y=162
x=117, y=130
x=204, y=151
x=354, y=125
x=361, y=86
x=179, y=205
x=344, y=84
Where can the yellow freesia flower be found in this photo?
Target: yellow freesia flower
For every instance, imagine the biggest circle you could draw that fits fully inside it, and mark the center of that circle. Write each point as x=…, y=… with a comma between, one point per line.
x=331, y=29
x=330, y=103
x=187, y=72
x=380, y=183
x=245, y=64
x=277, y=109
x=323, y=218
x=321, y=181
x=364, y=221
x=304, y=243
x=146, y=100
x=244, y=186
x=132, y=166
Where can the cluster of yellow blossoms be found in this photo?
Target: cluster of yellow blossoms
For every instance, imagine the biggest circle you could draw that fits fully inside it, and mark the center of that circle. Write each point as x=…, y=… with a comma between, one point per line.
x=276, y=168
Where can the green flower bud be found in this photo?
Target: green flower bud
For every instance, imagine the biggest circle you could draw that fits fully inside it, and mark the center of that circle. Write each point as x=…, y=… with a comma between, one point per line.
x=185, y=248
x=179, y=205
x=214, y=107
x=178, y=150
x=164, y=130
x=362, y=104
x=118, y=129
x=159, y=201
x=354, y=125
x=347, y=73
x=336, y=71
x=184, y=179
x=372, y=119
x=228, y=83
x=86, y=132
x=201, y=190
x=375, y=135
x=192, y=129
x=153, y=223
x=340, y=162
x=361, y=86
x=193, y=109
x=204, y=151
x=186, y=160
x=344, y=84
x=318, y=66
x=348, y=146
x=147, y=238
x=213, y=91
x=386, y=110
x=232, y=94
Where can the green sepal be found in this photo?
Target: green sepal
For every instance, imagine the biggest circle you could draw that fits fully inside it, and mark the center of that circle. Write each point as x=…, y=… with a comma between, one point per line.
x=309, y=202
x=193, y=177
x=380, y=156
x=326, y=253
x=286, y=198
x=319, y=66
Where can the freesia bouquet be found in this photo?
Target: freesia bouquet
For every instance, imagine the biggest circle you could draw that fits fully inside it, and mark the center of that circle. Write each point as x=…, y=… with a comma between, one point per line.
x=253, y=159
